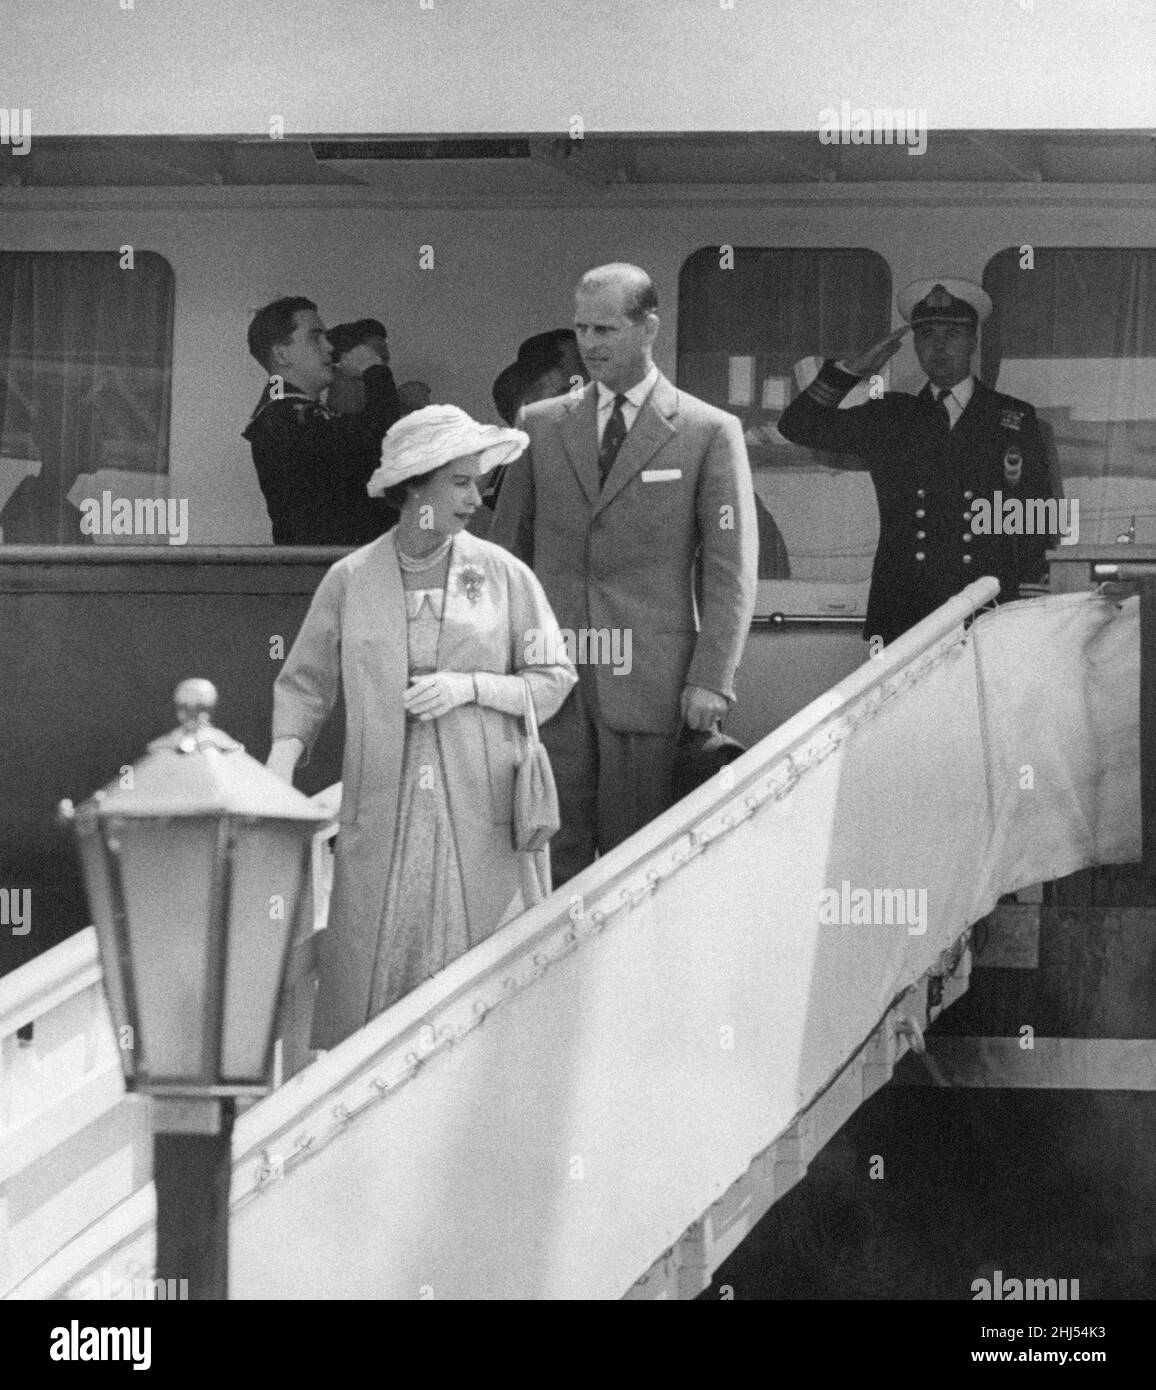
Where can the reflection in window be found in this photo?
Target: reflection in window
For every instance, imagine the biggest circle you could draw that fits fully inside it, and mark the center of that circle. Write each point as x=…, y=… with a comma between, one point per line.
x=1074, y=333
x=741, y=333
x=85, y=376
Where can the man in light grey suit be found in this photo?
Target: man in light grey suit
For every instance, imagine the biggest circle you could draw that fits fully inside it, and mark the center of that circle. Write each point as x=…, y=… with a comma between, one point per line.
x=629, y=486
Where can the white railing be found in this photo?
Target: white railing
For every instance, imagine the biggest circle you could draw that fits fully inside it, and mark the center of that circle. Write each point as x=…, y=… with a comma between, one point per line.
x=72, y=1145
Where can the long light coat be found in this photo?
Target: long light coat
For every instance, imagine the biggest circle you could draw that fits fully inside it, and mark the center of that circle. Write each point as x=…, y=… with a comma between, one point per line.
x=354, y=639
x=620, y=557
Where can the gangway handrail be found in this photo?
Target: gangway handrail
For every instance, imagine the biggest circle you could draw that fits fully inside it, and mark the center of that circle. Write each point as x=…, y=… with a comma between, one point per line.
x=47, y=980
x=707, y=805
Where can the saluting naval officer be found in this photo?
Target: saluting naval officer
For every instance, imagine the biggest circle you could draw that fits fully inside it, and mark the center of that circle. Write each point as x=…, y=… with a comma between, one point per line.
x=629, y=483
x=931, y=457
x=313, y=464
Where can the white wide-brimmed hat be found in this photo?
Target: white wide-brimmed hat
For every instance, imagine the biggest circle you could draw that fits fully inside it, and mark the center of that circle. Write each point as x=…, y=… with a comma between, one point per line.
x=435, y=435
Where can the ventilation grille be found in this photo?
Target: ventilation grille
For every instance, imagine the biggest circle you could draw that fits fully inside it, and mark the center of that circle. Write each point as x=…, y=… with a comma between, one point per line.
x=421, y=149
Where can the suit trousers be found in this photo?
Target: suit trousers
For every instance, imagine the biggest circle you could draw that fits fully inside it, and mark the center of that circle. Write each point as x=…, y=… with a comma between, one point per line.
x=610, y=783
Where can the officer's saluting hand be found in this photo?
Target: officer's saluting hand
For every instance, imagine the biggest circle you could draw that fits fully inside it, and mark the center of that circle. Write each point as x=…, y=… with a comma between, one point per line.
x=878, y=354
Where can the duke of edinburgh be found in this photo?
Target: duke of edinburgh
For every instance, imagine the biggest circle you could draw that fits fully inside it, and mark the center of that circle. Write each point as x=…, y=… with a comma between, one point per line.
x=931, y=456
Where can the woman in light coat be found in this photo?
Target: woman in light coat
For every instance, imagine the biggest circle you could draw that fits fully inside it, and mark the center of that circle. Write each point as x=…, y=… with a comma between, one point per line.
x=434, y=636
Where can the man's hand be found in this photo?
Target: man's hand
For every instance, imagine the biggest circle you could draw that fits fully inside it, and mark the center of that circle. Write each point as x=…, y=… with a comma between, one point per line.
x=380, y=346
x=429, y=697
x=701, y=708
x=357, y=361
x=869, y=362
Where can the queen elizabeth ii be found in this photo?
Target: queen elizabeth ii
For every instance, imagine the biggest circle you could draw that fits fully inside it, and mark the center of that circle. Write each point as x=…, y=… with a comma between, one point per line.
x=434, y=636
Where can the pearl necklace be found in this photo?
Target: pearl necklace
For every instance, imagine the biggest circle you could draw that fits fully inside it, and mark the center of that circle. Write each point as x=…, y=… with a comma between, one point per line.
x=412, y=565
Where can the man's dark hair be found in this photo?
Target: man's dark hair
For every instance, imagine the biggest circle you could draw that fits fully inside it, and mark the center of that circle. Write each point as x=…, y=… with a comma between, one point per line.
x=536, y=356
x=507, y=390
x=274, y=324
x=544, y=350
x=347, y=336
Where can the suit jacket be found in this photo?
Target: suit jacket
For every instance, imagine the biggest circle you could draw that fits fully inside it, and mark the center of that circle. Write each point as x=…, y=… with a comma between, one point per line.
x=354, y=639
x=926, y=482
x=622, y=556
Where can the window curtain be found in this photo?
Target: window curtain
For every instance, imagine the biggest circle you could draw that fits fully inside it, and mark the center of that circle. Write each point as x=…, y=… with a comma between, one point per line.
x=1073, y=331
x=744, y=321
x=85, y=379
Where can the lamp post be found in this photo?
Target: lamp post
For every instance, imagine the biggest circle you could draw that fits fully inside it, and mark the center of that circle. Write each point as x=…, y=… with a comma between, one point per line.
x=196, y=864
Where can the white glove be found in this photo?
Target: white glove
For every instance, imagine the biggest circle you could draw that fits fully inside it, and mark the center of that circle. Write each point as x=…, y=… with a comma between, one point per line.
x=429, y=697
x=505, y=693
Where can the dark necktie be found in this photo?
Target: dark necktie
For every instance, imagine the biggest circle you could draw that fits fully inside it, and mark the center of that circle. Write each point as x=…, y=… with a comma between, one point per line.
x=612, y=437
x=942, y=410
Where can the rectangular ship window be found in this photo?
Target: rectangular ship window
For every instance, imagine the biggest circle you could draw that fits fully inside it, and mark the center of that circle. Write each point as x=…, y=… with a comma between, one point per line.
x=750, y=337
x=85, y=384
x=1074, y=334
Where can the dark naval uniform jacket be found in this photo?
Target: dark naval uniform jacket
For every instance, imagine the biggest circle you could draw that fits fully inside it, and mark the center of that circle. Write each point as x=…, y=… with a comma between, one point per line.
x=927, y=479
x=313, y=465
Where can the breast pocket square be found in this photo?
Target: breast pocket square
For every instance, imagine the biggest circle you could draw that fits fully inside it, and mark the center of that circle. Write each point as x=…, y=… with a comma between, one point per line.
x=661, y=475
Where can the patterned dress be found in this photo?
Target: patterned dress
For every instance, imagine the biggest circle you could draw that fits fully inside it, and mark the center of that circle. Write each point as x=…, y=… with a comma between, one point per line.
x=424, y=924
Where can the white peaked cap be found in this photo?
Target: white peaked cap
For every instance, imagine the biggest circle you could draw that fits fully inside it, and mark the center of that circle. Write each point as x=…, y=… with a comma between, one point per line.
x=943, y=300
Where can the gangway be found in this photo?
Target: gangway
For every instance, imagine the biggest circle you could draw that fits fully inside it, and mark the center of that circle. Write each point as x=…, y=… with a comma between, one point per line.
x=602, y=1099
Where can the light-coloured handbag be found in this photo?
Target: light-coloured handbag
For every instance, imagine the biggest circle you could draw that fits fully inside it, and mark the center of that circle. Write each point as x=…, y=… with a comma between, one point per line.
x=536, y=813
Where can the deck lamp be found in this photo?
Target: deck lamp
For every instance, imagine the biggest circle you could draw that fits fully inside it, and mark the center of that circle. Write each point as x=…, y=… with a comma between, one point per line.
x=196, y=866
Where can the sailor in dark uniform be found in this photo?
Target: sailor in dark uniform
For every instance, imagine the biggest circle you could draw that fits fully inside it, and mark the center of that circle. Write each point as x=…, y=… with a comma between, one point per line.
x=313, y=464
x=932, y=457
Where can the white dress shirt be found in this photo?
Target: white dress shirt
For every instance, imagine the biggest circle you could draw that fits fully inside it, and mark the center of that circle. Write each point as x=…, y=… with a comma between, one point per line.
x=956, y=399
x=635, y=399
